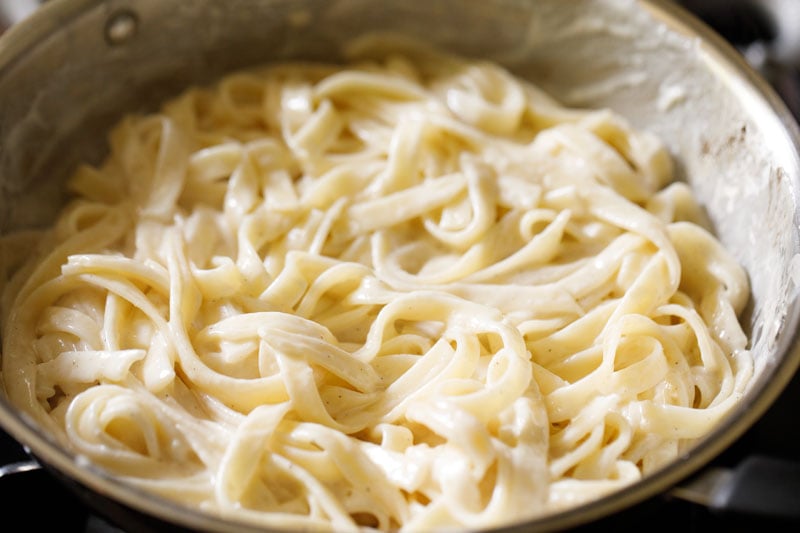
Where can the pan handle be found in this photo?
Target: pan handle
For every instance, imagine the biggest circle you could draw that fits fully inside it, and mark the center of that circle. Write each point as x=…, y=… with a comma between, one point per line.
x=759, y=485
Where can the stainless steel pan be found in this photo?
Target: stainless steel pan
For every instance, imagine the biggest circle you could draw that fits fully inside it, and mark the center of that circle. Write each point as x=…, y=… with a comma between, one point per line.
x=73, y=67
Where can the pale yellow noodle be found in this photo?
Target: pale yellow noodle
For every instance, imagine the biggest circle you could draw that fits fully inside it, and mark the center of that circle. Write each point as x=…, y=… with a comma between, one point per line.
x=406, y=293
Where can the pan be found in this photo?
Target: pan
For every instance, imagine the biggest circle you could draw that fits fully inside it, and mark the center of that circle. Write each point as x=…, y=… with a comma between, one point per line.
x=73, y=68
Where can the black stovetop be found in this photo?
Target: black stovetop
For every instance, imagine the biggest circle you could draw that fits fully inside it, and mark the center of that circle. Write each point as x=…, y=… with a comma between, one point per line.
x=42, y=502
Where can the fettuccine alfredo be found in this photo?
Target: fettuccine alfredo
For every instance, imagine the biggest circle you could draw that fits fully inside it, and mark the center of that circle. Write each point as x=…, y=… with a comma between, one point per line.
x=411, y=292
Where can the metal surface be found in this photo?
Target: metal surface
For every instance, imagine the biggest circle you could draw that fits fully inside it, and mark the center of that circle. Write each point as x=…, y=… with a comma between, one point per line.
x=13, y=11
x=704, y=488
x=758, y=486
x=73, y=68
x=20, y=467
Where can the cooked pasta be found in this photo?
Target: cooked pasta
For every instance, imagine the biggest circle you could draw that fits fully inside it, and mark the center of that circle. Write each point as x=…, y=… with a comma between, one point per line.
x=410, y=292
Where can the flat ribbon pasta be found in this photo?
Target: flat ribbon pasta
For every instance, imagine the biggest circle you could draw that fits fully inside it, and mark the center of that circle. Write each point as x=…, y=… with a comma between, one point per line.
x=410, y=292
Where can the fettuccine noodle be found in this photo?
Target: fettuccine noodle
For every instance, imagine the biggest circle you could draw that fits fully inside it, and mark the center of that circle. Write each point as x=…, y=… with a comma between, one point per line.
x=410, y=292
